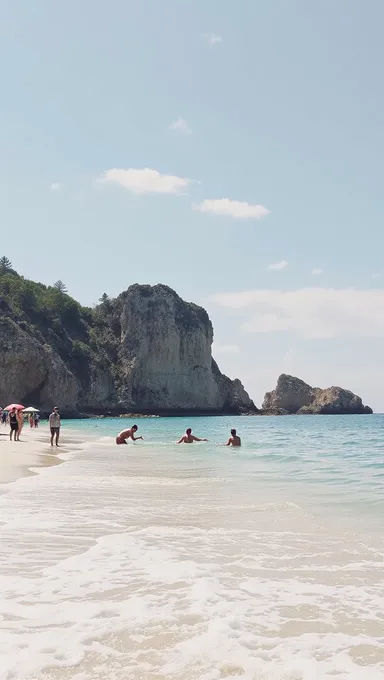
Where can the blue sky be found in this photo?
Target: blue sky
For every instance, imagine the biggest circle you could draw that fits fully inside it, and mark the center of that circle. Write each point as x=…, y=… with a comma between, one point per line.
x=275, y=106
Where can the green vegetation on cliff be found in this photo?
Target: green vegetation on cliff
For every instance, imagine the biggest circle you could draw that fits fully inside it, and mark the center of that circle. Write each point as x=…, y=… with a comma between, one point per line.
x=80, y=335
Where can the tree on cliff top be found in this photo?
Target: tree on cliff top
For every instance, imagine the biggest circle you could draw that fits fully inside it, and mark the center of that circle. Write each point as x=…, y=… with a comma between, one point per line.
x=5, y=264
x=60, y=286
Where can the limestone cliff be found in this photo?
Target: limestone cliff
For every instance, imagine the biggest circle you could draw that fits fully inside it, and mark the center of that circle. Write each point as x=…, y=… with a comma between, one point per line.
x=32, y=372
x=147, y=350
x=165, y=356
x=293, y=395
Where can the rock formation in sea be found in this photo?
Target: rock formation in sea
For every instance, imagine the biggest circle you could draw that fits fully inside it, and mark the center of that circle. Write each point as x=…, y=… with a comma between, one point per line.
x=145, y=351
x=293, y=395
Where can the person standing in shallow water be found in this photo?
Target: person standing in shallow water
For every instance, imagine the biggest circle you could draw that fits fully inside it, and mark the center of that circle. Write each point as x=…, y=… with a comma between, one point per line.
x=55, y=424
x=234, y=439
x=189, y=438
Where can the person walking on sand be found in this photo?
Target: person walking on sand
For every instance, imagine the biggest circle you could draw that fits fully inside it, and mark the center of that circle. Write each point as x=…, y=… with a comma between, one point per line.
x=127, y=434
x=55, y=424
x=36, y=419
x=14, y=425
x=20, y=420
x=234, y=439
x=31, y=420
x=189, y=438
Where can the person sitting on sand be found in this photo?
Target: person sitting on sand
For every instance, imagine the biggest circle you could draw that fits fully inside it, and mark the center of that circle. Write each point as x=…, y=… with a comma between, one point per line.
x=189, y=438
x=234, y=439
x=127, y=434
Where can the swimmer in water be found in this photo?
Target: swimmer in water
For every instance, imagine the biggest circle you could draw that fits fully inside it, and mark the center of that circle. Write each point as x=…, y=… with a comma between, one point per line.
x=189, y=438
x=234, y=439
x=127, y=434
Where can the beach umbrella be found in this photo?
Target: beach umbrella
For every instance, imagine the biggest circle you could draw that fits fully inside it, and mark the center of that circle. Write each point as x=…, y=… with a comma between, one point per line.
x=18, y=407
x=31, y=409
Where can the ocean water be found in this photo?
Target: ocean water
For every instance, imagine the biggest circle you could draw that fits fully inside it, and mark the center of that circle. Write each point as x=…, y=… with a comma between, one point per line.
x=154, y=561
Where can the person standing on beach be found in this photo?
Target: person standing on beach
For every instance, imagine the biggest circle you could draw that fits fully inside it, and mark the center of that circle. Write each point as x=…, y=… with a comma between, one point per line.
x=189, y=438
x=36, y=419
x=20, y=420
x=14, y=425
x=127, y=434
x=234, y=439
x=55, y=424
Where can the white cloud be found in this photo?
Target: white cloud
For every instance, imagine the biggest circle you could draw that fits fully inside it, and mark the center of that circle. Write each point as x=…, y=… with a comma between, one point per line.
x=180, y=125
x=214, y=39
x=225, y=349
x=278, y=266
x=229, y=208
x=145, y=181
x=310, y=312
x=55, y=186
x=317, y=271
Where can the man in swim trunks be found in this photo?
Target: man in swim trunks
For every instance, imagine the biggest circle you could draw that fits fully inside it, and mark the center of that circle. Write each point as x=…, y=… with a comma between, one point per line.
x=189, y=438
x=234, y=439
x=55, y=424
x=127, y=434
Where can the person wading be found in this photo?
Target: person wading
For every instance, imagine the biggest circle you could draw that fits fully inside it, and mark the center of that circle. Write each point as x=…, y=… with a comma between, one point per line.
x=234, y=439
x=127, y=434
x=189, y=438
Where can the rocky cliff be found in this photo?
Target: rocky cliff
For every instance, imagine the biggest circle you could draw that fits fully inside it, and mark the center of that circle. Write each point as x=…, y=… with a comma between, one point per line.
x=146, y=351
x=165, y=356
x=293, y=395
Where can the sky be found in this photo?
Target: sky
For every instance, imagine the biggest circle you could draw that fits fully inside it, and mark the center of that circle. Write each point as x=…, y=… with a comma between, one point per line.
x=231, y=150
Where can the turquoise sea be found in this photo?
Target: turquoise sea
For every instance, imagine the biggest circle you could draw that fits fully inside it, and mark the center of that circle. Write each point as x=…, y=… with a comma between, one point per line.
x=333, y=460
x=198, y=562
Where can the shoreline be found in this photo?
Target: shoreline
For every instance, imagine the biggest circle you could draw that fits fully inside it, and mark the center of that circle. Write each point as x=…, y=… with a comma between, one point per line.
x=19, y=459
x=191, y=414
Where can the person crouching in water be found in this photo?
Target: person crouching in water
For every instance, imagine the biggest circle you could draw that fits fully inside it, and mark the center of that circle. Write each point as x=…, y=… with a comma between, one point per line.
x=189, y=438
x=127, y=434
x=234, y=439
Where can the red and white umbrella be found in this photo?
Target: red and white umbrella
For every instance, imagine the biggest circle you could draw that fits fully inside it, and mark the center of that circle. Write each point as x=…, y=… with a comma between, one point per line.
x=18, y=407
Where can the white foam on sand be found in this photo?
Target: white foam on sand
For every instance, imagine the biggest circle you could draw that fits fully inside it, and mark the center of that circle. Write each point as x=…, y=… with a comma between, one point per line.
x=111, y=568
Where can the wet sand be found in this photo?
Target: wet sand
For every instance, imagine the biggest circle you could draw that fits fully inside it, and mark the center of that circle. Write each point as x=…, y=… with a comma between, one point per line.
x=18, y=459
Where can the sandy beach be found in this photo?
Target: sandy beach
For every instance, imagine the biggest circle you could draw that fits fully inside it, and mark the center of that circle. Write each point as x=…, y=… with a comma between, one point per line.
x=18, y=459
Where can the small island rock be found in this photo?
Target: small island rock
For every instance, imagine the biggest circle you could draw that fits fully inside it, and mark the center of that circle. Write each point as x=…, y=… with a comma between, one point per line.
x=293, y=395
